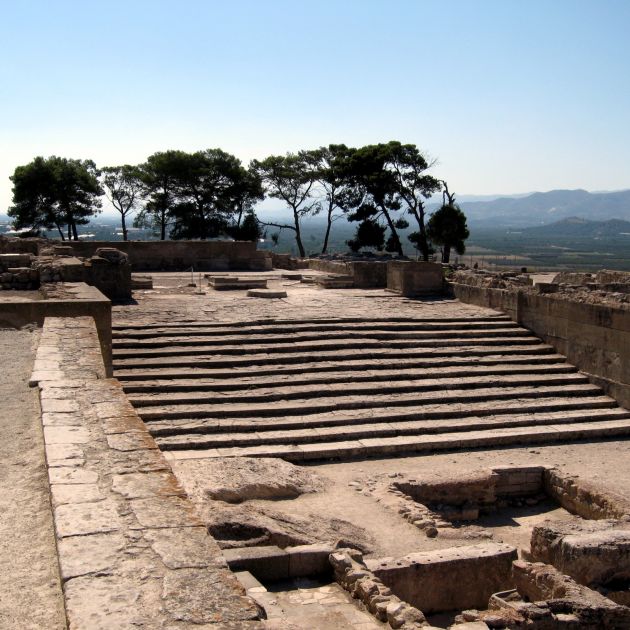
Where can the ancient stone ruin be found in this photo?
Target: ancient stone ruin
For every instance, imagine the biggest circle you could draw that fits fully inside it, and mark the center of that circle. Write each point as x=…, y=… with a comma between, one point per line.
x=385, y=444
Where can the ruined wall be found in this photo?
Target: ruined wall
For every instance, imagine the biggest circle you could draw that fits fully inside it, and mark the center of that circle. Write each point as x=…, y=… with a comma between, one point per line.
x=411, y=278
x=73, y=300
x=594, y=337
x=180, y=255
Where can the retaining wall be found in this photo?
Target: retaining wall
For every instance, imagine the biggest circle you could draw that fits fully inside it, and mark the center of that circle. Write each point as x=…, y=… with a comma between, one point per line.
x=179, y=255
x=132, y=551
x=594, y=337
x=78, y=300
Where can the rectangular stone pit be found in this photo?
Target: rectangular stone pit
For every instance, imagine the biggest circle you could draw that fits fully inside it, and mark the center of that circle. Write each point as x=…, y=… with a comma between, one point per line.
x=456, y=578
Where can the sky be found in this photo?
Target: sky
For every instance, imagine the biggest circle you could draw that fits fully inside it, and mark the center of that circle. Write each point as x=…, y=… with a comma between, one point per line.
x=507, y=96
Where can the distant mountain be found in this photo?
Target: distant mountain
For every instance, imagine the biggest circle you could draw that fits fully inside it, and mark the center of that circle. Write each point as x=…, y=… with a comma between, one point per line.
x=576, y=227
x=548, y=207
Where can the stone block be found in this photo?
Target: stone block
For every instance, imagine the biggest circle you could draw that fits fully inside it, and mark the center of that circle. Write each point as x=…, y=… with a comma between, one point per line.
x=410, y=278
x=448, y=579
x=309, y=560
x=265, y=563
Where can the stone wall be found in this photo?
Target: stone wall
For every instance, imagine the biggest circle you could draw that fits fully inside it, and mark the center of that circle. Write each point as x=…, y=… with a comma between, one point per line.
x=181, y=255
x=411, y=278
x=594, y=337
x=72, y=300
x=448, y=579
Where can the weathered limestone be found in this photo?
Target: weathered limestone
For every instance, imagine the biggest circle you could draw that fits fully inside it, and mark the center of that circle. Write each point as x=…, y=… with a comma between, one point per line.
x=131, y=549
x=562, y=595
x=448, y=579
x=410, y=279
x=594, y=336
x=318, y=389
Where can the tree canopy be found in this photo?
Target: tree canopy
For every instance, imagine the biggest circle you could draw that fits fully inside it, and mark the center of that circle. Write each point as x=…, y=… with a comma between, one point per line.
x=56, y=193
x=210, y=194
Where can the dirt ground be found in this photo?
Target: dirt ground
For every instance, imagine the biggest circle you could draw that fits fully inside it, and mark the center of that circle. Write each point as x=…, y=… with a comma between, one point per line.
x=347, y=496
x=30, y=590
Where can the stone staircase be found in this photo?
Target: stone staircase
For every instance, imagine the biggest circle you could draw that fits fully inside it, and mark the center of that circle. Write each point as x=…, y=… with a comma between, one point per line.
x=309, y=389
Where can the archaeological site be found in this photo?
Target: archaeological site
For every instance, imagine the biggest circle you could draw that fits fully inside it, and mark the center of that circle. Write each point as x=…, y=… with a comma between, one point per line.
x=198, y=434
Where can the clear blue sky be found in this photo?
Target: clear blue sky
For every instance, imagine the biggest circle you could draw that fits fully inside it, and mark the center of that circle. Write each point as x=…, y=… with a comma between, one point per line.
x=509, y=96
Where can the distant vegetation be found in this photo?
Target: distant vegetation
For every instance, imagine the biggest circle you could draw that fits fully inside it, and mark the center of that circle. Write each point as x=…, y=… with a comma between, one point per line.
x=210, y=194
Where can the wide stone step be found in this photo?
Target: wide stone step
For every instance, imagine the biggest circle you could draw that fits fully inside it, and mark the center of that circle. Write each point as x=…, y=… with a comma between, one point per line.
x=341, y=402
x=432, y=412
x=299, y=338
x=386, y=363
x=373, y=447
x=323, y=345
x=316, y=321
x=204, y=331
x=284, y=392
x=255, y=381
x=363, y=431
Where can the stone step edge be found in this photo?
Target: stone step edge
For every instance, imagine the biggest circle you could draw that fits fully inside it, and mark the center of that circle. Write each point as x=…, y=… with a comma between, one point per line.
x=346, y=388
x=315, y=320
x=188, y=441
x=236, y=384
x=397, y=446
x=319, y=357
x=350, y=366
x=525, y=340
x=219, y=411
x=245, y=425
x=209, y=342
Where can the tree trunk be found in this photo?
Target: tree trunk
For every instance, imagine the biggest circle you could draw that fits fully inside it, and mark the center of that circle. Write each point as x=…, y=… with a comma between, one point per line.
x=397, y=242
x=446, y=254
x=75, y=235
x=328, y=226
x=298, y=234
x=69, y=231
x=63, y=238
x=124, y=226
x=163, y=224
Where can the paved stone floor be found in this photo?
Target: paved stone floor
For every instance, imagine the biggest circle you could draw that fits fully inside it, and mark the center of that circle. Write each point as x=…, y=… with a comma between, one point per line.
x=304, y=603
x=30, y=591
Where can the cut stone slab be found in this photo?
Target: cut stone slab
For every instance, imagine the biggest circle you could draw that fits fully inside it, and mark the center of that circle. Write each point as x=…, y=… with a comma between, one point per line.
x=64, y=455
x=66, y=435
x=267, y=293
x=165, y=512
x=63, y=493
x=131, y=442
x=79, y=519
x=185, y=547
x=106, y=602
x=69, y=475
x=201, y=596
x=144, y=485
x=265, y=563
x=81, y=555
x=240, y=479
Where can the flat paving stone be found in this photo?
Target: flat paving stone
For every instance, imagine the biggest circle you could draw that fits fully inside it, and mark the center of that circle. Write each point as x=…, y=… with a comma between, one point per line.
x=93, y=553
x=185, y=547
x=66, y=435
x=68, y=475
x=63, y=493
x=149, y=484
x=164, y=512
x=78, y=519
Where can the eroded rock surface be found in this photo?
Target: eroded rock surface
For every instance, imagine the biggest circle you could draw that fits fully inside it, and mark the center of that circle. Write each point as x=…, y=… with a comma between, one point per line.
x=240, y=526
x=238, y=479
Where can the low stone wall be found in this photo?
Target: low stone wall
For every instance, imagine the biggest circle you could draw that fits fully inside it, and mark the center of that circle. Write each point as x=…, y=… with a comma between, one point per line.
x=180, y=255
x=410, y=278
x=448, y=579
x=594, y=337
x=67, y=300
x=132, y=552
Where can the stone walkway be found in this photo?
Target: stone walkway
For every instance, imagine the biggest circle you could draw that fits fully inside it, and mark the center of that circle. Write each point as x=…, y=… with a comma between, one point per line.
x=30, y=590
